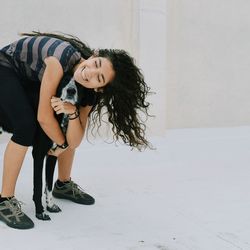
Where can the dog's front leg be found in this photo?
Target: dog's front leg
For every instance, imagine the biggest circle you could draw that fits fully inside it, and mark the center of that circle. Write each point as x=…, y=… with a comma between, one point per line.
x=37, y=183
x=50, y=168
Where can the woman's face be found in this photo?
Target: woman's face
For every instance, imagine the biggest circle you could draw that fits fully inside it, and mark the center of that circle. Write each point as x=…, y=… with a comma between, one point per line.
x=94, y=73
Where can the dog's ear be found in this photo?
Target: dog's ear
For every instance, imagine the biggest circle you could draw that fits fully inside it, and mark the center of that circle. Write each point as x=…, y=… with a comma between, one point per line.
x=80, y=92
x=64, y=81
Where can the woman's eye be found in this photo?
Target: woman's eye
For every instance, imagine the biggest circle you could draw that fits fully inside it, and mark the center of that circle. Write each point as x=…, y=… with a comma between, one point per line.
x=96, y=64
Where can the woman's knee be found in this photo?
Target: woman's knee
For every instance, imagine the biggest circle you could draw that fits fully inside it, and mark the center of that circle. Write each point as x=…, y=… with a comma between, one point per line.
x=24, y=132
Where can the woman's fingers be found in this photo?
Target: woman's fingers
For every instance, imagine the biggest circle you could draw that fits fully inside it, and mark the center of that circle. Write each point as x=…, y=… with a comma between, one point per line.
x=60, y=106
x=55, y=101
x=55, y=98
x=58, y=110
x=56, y=152
x=57, y=104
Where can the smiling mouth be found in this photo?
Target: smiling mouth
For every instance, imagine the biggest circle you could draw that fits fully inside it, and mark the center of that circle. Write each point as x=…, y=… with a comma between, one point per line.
x=84, y=74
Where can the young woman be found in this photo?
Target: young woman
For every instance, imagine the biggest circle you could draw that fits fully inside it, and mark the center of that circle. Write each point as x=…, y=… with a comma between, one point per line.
x=44, y=58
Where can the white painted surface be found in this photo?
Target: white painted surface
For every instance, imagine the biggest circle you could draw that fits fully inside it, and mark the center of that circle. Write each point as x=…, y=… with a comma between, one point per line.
x=194, y=54
x=152, y=58
x=105, y=24
x=192, y=193
x=208, y=63
x=99, y=23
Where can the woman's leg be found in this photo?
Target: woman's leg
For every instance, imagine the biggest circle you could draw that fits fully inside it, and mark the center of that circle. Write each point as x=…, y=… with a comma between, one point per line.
x=12, y=166
x=65, y=162
x=17, y=110
x=65, y=188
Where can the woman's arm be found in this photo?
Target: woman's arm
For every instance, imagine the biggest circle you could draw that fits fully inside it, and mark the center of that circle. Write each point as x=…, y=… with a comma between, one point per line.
x=52, y=75
x=77, y=126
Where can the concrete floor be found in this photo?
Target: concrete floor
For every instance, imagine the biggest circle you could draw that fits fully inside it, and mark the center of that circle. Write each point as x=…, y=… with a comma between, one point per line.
x=191, y=193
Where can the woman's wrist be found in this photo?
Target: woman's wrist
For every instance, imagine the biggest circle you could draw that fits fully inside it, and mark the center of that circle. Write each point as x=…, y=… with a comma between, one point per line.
x=64, y=145
x=74, y=115
x=61, y=146
x=75, y=109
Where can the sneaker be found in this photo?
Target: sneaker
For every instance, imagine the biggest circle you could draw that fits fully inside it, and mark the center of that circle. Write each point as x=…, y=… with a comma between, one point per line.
x=71, y=191
x=12, y=215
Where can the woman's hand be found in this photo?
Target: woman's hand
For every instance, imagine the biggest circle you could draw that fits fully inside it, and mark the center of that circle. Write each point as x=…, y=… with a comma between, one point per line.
x=57, y=151
x=61, y=107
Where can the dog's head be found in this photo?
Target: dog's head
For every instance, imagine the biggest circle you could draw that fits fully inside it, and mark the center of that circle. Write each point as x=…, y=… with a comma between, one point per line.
x=73, y=92
x=67, y=91
x=70, y=93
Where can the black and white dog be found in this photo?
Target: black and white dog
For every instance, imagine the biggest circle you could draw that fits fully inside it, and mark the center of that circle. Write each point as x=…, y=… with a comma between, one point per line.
x=68, y=92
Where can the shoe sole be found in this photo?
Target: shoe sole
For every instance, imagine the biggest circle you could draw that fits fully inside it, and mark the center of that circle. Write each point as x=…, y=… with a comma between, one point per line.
x=62, y=196
x=16, y=226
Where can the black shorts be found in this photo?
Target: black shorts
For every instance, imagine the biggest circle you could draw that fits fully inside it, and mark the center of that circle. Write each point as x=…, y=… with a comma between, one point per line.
x=18, y=106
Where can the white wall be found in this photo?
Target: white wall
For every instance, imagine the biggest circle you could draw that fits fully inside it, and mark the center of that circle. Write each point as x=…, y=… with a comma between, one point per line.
x=132, y=25
x=195, y=57
x=194, y=54
x=208, y=77
x=109, y=23
x=99, y=23
x=152, y=58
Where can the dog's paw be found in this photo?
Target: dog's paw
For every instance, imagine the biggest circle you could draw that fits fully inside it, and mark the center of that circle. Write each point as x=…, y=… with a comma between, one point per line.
x=54, y=209
x=42, y=216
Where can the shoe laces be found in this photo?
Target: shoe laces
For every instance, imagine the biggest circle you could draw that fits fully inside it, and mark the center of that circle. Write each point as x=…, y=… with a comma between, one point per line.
x=15, y=207
x=76, y=189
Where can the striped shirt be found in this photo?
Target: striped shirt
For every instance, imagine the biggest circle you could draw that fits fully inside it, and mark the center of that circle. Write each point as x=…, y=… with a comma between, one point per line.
x=27, y=55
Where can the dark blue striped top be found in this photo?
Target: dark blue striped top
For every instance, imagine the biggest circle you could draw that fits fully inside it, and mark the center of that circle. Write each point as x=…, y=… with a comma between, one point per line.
x=27, y=55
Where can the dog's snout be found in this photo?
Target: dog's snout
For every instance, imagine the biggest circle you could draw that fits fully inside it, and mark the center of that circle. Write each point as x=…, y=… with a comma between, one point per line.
x=71, y=91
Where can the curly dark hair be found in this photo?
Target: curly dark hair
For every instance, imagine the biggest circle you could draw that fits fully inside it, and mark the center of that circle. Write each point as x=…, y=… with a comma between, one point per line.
x=124, y=97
